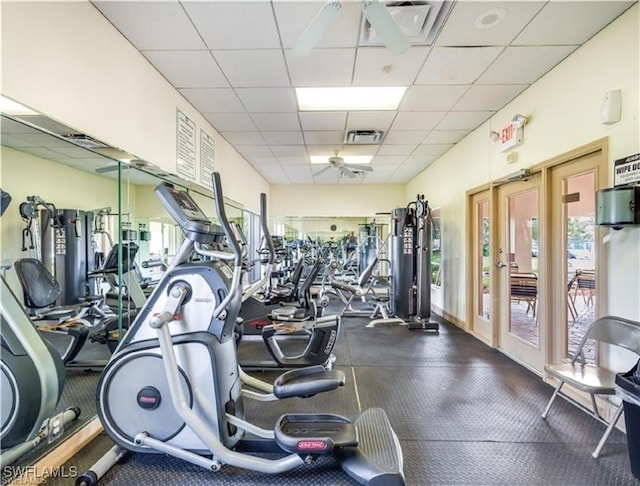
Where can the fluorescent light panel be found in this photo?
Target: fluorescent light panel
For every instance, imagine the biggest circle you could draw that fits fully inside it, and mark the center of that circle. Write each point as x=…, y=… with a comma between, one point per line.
x=10, y=107
x=349, y=99
x=348, y=159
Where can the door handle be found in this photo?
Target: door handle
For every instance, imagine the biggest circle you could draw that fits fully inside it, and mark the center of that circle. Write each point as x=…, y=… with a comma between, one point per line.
x=500, y=264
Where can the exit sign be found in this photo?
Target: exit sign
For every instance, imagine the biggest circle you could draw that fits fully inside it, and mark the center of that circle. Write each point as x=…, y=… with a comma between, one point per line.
x=510, y=136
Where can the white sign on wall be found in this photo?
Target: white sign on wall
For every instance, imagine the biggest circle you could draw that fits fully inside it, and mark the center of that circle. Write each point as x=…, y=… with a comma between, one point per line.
x=186, y=147
x=626, y=170
x=207, y=159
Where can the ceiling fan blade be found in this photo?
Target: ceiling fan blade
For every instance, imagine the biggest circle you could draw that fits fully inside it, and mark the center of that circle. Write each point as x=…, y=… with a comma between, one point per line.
x=345, y=171
x=383, y=23
x=358, y=167
x=110, y=168
x=322, y=170
x=316, y=29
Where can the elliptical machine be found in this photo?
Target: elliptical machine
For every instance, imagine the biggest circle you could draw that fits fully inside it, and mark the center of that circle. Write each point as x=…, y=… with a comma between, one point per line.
x=174, y=386
x=31, y=378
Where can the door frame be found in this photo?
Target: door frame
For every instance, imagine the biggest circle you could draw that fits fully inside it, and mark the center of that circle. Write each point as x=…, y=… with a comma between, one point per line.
x=600, y=148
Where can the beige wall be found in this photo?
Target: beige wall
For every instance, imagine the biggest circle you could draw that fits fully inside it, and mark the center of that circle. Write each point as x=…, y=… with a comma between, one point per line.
x=335, y=200
x=65, y=60
x=26, y=175
x=563, y=108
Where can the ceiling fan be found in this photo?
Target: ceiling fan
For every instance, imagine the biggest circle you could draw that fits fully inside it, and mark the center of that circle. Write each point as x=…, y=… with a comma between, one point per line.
x=373, y=10
x=346, y=170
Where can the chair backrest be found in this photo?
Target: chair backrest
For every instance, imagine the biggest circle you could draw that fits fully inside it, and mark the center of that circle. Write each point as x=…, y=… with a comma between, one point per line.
x=615, y=330
x=367, y=273
x=129, y=252
x=524, y=284
x=39, y=288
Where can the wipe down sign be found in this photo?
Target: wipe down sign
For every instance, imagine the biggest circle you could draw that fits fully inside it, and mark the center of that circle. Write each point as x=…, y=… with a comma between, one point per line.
x=627, y=170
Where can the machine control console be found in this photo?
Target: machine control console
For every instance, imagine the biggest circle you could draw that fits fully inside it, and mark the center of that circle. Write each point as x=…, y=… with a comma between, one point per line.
x=193, y=222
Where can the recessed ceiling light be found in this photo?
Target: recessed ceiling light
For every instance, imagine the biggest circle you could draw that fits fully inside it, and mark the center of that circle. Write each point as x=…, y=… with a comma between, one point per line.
x=349, y=99
x=490, y=18
x=348, y=159
x=10, y=107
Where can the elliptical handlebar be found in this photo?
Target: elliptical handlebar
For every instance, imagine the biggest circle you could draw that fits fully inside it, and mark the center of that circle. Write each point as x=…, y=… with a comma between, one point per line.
x=272, y=252
x=233, y=243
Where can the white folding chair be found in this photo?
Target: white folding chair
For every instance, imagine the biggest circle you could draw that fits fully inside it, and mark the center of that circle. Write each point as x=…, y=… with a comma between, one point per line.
x=594, y=379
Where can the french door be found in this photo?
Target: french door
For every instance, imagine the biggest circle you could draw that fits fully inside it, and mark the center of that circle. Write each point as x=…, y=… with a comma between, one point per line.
x=516, y=258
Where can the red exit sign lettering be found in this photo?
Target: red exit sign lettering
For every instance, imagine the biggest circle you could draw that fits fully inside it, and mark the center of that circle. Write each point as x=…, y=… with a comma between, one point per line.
x=510, y=136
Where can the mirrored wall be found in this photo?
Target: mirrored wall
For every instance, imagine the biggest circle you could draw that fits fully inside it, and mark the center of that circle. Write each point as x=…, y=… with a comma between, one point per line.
x=86, y=217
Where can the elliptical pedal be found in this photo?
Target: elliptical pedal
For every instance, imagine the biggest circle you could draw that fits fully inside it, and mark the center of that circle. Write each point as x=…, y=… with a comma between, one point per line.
x=377, y=460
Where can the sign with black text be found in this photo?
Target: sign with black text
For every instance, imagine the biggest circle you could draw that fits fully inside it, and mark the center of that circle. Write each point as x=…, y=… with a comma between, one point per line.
x=626, y=170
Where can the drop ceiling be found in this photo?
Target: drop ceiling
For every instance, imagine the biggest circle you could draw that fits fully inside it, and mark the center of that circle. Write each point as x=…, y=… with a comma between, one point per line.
x=233, y=61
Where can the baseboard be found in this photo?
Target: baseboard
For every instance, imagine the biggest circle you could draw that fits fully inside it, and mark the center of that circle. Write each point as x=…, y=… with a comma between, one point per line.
x=449, y=317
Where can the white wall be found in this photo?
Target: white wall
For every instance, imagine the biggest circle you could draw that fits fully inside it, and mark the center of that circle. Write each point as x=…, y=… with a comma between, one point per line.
x=335, y=200
x=563, y=108
x=27, y=175
x=65, y=60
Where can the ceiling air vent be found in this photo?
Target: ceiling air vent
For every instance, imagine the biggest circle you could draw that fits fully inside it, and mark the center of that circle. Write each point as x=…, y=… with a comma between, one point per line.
x=85, y=141
x=363, y=137
x=420, y=21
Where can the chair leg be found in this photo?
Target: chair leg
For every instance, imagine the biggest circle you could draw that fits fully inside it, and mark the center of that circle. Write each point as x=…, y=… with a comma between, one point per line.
x=594, y=405
x=553, y=397
x=607, y=433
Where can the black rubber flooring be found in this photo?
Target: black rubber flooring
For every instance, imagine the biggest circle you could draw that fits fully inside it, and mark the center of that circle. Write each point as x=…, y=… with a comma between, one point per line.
x=464, y=413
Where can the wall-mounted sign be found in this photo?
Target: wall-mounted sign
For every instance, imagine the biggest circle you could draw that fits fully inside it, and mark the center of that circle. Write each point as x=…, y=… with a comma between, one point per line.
x=186, y=147
x=626, y=170
x=510, y=136
x=207, y=159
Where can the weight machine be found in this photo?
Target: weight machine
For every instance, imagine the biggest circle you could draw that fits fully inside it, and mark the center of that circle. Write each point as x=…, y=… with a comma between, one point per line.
x=411, y=264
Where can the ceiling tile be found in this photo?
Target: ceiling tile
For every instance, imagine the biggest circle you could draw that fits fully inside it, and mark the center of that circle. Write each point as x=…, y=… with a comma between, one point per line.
x=284, y=138
x=370, y=120
x=419, y=160
x=456, y=65
x=299, y=170
x=213, y=100
x=234, y=25
x=432, y=98
x=417, y=120
x=188, y=69
x=264, y=162
x=391, y=160
x=337, y=67
x=488, y=97
x=326, y=149
x=445, y=136
x=460, y=28
x=323, y=138
x=407, y=137
x=290, y=162
x=463, y=120
x=276, y=121
x=231, y=122
x=291, y=150
x=152, y=25
x=525, y=64
x=432, y=148
x=254, y=150
x=244, y=138
x=364, y=149
x=376, y=66
x=323, y=120
x=550, y=25
x=268, y=100
x=253, y=68
x=294, y=17
x=396, y=149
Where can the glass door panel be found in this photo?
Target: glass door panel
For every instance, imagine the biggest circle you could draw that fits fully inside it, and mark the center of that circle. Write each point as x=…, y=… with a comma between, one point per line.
x=579, y=235
x=523, y=265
